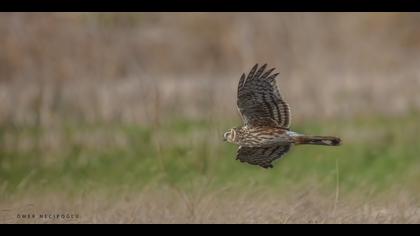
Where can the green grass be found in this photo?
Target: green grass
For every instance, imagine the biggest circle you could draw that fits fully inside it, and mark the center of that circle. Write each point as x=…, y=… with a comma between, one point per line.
x=378, y=154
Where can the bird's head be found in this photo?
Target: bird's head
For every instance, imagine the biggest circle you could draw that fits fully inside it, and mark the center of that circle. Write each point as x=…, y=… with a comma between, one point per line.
x=229, y=136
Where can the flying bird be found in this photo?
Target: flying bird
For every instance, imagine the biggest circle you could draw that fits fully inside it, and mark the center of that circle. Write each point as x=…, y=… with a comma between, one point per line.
x=265, y=135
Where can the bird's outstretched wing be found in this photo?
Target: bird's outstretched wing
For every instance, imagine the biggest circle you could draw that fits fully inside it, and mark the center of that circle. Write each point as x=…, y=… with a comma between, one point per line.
x=262, y=156
x=259, y=98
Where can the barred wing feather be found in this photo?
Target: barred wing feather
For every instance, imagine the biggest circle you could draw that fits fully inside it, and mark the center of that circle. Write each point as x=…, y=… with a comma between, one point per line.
x=259, y=98
x=262, y=156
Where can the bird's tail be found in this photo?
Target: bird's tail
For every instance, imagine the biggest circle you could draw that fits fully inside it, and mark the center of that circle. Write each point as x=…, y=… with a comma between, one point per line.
x=318, y=140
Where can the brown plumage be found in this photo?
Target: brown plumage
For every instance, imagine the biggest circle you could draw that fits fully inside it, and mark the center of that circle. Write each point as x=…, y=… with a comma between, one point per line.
x=265, y=135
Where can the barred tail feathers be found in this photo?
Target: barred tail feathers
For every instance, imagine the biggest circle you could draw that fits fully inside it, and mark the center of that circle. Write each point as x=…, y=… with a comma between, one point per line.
x=318, y=140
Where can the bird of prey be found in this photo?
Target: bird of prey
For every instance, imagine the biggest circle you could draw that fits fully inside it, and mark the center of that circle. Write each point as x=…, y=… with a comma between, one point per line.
x=265, y=135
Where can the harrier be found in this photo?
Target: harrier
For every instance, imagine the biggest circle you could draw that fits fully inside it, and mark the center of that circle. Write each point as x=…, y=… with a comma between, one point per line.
x=265, y=135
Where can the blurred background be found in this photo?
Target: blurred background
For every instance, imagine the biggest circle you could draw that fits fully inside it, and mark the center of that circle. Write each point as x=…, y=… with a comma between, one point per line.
x=138, y=102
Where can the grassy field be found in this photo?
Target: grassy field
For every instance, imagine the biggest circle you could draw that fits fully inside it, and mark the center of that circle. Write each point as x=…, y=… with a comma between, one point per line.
x=119, y=117
x=177, y=171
